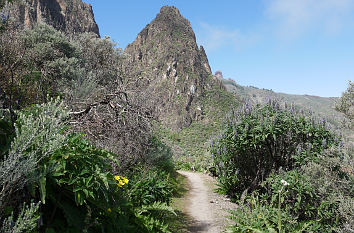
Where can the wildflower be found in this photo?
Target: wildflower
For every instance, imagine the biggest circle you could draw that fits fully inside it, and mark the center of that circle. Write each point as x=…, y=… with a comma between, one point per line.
x=125, y=180
x=109, y=210
x=120, y=183
x=284, y=183
x=121, y=180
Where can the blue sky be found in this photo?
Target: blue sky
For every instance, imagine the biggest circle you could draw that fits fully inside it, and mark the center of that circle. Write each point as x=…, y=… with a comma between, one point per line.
x=290, y=46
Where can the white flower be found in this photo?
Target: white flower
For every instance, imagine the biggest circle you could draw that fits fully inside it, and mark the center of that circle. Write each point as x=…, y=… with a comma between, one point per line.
x=284, y=183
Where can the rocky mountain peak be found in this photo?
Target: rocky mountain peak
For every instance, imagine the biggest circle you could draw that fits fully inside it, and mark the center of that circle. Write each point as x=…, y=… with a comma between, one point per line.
x=170, y=67
x=70, y=16
x=170, y=10
x=218, y=74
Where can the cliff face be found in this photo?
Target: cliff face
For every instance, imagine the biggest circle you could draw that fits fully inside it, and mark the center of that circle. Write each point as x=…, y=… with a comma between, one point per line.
x=170, y=68
x=70, y=16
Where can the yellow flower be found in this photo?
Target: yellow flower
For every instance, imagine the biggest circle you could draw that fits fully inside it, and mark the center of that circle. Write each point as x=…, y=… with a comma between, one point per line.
x=121, y=183
x=109, y=210
x=121, y=180
x=125, y=180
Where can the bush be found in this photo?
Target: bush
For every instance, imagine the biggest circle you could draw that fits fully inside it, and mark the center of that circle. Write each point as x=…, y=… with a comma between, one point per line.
x=80, y=185
x=302, y=201
x=149, y=186
x=316, y=196
x=26, y=220
x=258, y=216
x=6, y=134
x=159, y=156
x=259, y=140
x=345, y=104
x=75, y=182
x=38, y=134
x=300, y=176
x=81, y=189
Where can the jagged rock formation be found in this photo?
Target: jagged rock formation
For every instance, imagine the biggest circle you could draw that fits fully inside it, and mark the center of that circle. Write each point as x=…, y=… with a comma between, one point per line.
x=70, y=16
x=172, y=71
x=218, y=74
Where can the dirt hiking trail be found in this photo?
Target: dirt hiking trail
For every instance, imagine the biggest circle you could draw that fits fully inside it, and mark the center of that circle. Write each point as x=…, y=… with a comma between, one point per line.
x=207, y=208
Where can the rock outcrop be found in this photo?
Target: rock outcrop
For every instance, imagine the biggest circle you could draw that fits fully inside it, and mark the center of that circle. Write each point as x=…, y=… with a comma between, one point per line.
x=218, y=74
x=70, y=16
x=172, y=70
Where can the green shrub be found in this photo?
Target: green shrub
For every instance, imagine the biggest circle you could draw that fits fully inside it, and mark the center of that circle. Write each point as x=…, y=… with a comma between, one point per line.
x=6, y=135
x=159, y=156
x=39, y=132
x=298, y=173
x=26, y=221
x=332, y=179
x=345, y=104
x=81, y=188
x=151, y=185
x=259, y=140
x=315, y=197
x=260, y=217
x=75, y=182
x=302, y=200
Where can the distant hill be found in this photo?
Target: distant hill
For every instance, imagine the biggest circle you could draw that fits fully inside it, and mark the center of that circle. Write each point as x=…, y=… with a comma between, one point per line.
x=323, y=107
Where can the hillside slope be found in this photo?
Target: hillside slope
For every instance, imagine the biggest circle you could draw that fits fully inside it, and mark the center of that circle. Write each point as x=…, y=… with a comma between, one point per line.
x=323, y=106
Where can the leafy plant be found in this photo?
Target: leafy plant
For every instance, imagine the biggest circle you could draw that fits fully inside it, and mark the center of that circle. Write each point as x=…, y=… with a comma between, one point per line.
x=346, y=103
x=289, y=169
x=6, y=135
x=39, y=132
x=259, y=140
x=26, y=220
x=152, y=216
x=149, y=186
x=260, y=217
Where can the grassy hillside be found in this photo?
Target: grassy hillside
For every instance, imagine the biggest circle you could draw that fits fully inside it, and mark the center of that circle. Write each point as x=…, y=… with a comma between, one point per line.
x=190, y=145
x=322, y=107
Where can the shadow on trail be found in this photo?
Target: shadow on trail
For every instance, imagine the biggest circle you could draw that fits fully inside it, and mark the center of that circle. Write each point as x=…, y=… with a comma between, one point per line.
x=198, y=227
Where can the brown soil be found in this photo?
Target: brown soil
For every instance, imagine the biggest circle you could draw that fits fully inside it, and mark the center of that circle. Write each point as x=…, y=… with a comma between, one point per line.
x=207, y=209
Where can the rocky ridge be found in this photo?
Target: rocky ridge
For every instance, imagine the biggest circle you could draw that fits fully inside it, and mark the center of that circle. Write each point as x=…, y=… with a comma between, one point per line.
x=172, y=71
x=70, y=16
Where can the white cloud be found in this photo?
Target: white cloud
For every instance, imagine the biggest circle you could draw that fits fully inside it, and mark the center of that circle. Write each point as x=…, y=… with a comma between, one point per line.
x=295, y=17
x=214, y=37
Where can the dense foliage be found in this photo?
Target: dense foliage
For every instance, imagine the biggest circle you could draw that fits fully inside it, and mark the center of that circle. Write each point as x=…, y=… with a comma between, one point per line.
x=85, y=71
x=346, y=102
x=74, y=184
x=288, y=169
x=258, y=141
x=72, y=139
x=77, y=152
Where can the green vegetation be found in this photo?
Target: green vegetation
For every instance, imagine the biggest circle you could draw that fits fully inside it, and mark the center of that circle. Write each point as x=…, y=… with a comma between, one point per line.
x=322, y=107
x=74, y=183
x=79, y=151
x=288, y=171
x=59, y=165
x=190, y=145
x=346, y=102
